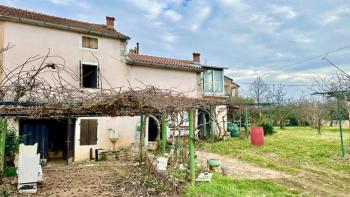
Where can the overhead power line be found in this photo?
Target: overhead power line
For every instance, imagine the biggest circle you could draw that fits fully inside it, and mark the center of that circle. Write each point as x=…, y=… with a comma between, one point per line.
x=317, y=56
x=277, y=84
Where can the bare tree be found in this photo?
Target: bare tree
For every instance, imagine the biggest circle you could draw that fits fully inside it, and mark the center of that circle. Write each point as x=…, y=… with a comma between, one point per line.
x=281, y=110
x=258, y=90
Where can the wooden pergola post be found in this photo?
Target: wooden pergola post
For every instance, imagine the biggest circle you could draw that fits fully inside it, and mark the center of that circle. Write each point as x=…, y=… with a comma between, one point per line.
x=340, y=118
x=246, y=122
x=164, y=133
x=191, y=147
x=212, y=124
x=3, y=132
x=205, y=134
x=142, y=139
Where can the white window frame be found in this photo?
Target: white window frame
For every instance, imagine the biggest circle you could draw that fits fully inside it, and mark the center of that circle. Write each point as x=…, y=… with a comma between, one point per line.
x=81, y=72
x=89, y=49
x=214, y=93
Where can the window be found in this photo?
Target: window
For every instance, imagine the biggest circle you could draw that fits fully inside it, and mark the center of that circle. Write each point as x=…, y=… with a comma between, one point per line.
x=208, y=81
x=213, y=81
x=88, y=132
x=218, y=81
x=89, y=76
x=89, y=42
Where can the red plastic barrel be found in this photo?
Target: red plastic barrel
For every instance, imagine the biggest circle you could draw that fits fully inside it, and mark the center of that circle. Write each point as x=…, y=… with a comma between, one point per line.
x=257, y=136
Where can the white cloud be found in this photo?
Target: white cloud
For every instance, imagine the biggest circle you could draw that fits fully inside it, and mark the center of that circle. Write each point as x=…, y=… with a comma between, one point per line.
x=303, y=39
x=286, y=11
x=81, y=3
x=172, y=15
x=334, y=15
x=237, y=4
x=152, y=8
x=202, y=13
x=10, y=2
x=169, y=38
x=239, y=39
x=329, y=19
x=263, y=21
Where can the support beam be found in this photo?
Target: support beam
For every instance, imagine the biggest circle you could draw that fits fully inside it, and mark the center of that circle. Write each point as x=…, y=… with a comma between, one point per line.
x=191, y=147
x=340, y=118
x=3, y=132
x=164, y=133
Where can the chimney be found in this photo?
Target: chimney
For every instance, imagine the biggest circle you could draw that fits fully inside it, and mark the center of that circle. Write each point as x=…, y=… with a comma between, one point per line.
x=137, y=48
x=110, y=22
x=196, y=57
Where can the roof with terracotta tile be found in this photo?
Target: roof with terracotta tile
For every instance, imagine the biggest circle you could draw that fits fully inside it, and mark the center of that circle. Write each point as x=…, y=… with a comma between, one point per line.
x=163, y=62
x=34, y=18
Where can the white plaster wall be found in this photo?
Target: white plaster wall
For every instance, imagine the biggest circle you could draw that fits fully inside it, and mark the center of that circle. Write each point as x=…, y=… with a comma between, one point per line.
x=125, y=126
x=31, y=40
x=181, y=81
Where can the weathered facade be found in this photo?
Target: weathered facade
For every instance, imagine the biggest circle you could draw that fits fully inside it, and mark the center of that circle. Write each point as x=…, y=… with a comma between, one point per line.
x=97, y=55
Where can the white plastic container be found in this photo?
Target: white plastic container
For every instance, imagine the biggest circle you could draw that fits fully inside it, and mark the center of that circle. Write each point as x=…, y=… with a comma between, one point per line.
x=162, y=163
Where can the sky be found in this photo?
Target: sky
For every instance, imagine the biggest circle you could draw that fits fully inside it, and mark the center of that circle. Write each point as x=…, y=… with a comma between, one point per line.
x=281, y=41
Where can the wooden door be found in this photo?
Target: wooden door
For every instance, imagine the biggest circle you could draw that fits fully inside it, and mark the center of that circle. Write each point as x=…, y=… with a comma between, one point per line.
x=70, y=140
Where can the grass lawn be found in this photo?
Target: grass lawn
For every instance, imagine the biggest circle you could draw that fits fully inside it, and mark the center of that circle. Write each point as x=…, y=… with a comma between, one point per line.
x=289, y=149
x=224, y=186
x=313, y=159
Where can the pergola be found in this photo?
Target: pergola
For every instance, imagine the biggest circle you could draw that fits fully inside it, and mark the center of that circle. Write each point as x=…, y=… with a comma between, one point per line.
x=339, y=95
x=142, y=102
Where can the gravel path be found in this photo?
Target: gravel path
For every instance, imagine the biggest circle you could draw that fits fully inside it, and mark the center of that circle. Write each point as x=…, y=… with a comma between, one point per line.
x=239, y=169
x=103, y=178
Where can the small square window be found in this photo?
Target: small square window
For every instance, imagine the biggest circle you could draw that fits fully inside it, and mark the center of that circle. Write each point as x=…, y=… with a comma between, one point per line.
x=89, y=42
x=89, y=76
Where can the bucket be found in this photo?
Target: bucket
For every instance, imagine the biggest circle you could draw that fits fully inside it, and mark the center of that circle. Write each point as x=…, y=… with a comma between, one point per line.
x=233, y=129
x=162, y=163
x=257, y=136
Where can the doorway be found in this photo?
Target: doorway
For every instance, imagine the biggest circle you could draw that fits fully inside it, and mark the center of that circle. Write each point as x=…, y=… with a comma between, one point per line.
x=153, y=129
x=204, y=122
x=51, y=135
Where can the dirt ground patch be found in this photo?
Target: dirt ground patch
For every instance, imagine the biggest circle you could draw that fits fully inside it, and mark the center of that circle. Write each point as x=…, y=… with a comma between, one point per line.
x=103, y=178
x=239, y=169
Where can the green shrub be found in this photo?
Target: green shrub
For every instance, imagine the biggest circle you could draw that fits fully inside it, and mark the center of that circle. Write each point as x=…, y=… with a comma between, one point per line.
x=11, y=147
x=10, y=171
x=268, y=129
